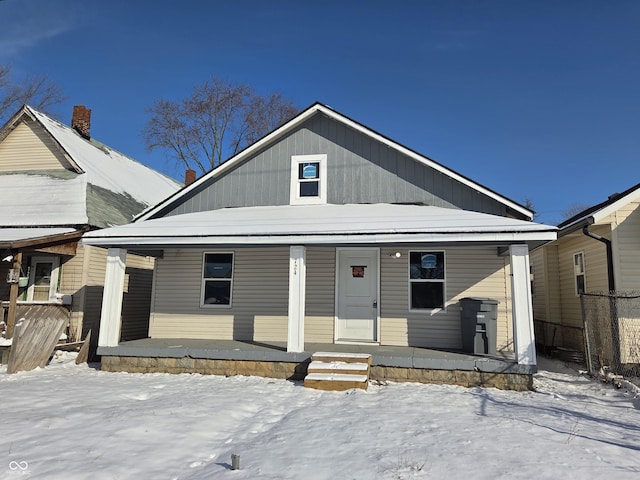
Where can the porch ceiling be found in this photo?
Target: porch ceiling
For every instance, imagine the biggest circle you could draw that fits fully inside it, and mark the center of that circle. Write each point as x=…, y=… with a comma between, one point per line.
x=323, y=224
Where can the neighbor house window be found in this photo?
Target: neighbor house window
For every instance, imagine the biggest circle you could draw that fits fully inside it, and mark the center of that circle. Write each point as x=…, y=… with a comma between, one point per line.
x=308, y=179
x=43, y=273
x=578, y=270
x=217, y=279
x=426, y=280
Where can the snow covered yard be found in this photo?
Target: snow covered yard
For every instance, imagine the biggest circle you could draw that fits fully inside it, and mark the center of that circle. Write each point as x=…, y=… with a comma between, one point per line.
x=75, y=422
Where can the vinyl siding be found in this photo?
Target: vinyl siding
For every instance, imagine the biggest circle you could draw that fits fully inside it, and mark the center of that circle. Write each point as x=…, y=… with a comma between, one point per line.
x=359, y=170
x=136, y=302
x=260, y=302
x=260, y=297
x=29, y=147
x=626, y=237
x=320, y=295
x=596, y=280
x=72, y=283
x=539, y=296
x=470, y=272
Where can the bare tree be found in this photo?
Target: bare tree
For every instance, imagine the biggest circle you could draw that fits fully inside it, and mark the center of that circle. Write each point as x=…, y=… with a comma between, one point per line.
x=528, y=204
x=216, y=121
x=37, y=91
x=573, y=210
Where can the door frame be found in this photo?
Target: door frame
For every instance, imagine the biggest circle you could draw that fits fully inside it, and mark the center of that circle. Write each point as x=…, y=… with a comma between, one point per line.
x=55, y=275
x=376, y=328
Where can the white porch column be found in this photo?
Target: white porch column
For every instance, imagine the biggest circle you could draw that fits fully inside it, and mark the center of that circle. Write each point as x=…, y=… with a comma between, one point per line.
x=297, y=283
x=110, y=318
x=522, y=311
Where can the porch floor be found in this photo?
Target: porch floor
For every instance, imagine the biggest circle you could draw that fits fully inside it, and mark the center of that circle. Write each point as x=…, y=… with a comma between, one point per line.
x=389, y=356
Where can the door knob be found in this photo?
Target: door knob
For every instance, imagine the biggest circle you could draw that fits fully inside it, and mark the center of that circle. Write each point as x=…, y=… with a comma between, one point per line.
x=375, y=304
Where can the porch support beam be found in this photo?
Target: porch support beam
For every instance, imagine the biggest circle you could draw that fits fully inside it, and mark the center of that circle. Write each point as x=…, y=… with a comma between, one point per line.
x=522, y=311
x=110, y=318
x=297, y=284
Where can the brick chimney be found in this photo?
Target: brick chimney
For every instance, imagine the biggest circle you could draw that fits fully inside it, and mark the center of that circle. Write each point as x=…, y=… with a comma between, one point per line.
x=189, y=177
x=81, y=120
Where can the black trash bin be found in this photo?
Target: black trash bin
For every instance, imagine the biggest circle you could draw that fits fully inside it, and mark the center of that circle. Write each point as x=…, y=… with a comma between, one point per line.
x=479, y=319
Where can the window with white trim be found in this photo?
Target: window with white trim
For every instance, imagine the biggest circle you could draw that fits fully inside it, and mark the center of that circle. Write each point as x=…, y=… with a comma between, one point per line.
x=308, y=179
x=217, y=279
x=426, y=280
x=579, y=272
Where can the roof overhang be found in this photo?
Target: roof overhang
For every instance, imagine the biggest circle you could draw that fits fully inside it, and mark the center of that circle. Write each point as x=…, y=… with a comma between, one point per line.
x=322, y=225
x=24, y=238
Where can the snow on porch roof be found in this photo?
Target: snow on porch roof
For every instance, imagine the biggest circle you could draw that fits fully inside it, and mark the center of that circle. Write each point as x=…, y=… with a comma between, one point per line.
x=321, y=224
x=13, y=237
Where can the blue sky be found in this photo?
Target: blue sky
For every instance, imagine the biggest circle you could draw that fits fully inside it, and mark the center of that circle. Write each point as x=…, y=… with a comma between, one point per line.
x=534, y=99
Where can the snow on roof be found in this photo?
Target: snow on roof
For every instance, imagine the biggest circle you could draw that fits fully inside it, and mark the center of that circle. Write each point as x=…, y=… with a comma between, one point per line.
x=323, y=224
x=33, y=200
x=17, y=234
x=108, y=168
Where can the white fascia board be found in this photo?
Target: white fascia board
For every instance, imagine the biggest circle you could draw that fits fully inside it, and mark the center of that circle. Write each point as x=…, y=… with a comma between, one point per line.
x=321, y=239
x=600, y=215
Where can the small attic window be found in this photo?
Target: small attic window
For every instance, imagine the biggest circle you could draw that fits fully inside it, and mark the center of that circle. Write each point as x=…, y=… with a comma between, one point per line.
x=308, y=179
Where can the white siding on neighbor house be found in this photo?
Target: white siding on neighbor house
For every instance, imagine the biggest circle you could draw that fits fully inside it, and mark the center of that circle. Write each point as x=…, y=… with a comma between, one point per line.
x=470, y=272
x=27, y=148
x=259, y=308
x=626, y=247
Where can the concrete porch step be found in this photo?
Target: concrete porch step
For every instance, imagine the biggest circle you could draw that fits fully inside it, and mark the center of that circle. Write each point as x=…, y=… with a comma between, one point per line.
x=355, y=368
x=336, y=381
x=338, y=371
x=329, y=357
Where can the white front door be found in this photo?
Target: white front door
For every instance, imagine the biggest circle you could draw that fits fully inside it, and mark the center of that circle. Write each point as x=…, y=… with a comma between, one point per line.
x=357, y=295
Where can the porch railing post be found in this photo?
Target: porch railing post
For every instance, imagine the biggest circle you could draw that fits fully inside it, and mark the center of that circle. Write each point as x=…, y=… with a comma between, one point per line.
x=297, y=284
x=521, y=308
x=110, y=317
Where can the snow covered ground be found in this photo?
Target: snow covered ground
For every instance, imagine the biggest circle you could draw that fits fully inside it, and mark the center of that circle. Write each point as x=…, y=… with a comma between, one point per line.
x=76, y=422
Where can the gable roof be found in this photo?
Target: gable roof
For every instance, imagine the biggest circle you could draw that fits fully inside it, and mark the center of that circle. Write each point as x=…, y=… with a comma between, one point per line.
x=104, y=187
x=600, y=211
x=318, y=108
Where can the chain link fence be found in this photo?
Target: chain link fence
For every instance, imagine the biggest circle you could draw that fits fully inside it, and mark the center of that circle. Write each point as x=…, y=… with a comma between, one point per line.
x=612, y=335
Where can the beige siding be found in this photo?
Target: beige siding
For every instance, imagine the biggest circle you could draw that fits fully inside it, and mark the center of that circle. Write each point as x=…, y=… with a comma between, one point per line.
x=320, y=295
x=595, y=262
x=260, y=297
x=72, y=282
x=626, y=238
x=470, y=272
x=259, y=303
x=28, y=147
x=539, y=297
x=136, y=301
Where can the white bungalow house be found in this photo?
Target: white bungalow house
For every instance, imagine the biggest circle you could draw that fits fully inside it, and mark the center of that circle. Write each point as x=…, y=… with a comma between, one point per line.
x=324, y=233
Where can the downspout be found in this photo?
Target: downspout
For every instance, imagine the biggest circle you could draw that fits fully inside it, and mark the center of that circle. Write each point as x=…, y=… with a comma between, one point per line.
x=613, y=311
x=612, y=283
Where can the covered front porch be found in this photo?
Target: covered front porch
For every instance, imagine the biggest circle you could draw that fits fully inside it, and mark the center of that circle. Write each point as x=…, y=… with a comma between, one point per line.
x=271, y=359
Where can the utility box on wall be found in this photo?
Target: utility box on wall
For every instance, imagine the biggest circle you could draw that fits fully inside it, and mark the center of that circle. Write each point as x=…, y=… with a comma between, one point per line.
x=479, y=321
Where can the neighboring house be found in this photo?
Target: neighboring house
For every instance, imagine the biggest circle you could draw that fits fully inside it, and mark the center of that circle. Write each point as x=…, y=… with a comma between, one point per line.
x=323, y=232
x=56, y=183
x=597, y=250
